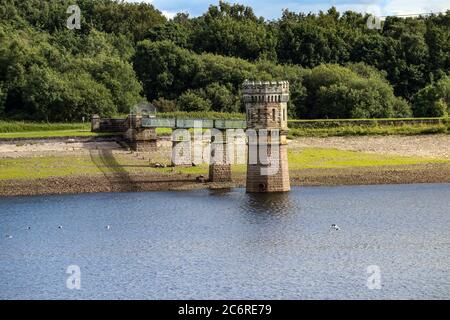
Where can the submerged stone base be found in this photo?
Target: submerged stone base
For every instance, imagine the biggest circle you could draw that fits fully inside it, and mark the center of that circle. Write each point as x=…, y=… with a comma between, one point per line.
x=278, y=181
x=143, y=145
x=219, y=173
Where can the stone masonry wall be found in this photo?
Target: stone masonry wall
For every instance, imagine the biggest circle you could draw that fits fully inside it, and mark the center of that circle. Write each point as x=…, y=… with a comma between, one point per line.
x=256, y=182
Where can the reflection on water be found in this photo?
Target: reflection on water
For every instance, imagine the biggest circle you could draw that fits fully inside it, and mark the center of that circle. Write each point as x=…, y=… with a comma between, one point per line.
x=281, y=203
x=226, y=244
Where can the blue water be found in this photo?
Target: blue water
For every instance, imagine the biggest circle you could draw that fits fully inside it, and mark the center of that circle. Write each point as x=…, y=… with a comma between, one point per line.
x=229, y=244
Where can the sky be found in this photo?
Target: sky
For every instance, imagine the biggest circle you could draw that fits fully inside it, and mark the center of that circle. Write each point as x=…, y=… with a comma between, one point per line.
x=271, y=9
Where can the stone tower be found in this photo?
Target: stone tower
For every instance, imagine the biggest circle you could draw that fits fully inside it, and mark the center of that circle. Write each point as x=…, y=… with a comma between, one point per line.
x=266, y=107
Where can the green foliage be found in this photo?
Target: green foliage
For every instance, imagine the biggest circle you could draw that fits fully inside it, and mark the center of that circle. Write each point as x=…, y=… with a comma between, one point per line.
x=221, y=97
x=22, y=126
x=367, y=131
x=202, y=115
x=119, y=78
x=338, y=92
x=42, y=80
x=165, y=69
x=433, y=100
x=192, y=101
x=172, y=31
x=110, y=16
x=164, y=105
x=233, y=30
x=310, y=41
x=127, y=49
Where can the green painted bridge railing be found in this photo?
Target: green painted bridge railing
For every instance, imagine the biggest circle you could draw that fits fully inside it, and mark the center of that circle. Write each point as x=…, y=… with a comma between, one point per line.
x=192, y=123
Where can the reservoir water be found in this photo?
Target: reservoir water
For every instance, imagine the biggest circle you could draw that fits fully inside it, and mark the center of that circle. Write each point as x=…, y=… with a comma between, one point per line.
x=393, y=243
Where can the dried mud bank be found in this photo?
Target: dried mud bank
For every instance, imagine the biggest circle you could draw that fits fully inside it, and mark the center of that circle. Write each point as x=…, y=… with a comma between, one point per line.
x=429, y=173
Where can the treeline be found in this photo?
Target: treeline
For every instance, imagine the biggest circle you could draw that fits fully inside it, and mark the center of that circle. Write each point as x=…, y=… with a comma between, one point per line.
x=126, y=52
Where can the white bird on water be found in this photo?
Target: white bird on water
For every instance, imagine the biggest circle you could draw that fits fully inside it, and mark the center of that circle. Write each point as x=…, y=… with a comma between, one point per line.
x=335, y=227
x=8, y=236
x=59, y=227
x=108, y=227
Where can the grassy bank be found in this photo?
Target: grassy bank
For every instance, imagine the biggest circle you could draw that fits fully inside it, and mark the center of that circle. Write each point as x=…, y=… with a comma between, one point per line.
x=365, y=131
x=202, y=115
x=53, y=134
x=309, y=158
x=23, y=130
x=298, y=128
x=22, y=126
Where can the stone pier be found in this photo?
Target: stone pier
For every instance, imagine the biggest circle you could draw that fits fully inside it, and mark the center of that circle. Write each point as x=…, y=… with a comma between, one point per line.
x=219, y=165
x=266, y=111
x=139, y=138
x=181, y=148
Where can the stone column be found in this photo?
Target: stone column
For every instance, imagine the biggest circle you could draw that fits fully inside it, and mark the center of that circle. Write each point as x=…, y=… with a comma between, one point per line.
x=220, y=165
x=95, y=123
x=140, y=139
x=181, y=148
x=275, y=179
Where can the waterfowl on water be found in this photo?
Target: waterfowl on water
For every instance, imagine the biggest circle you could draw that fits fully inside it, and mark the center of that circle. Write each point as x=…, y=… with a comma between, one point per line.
x=335, y=227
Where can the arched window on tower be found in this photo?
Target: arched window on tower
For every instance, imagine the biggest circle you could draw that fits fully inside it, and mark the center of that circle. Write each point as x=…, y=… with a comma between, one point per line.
x=279, y=98
x=273, y=115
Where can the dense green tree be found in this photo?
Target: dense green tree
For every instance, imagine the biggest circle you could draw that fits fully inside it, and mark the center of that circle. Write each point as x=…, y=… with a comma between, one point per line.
x=193, y=101
x=433, y=100
x=233, y=30
x=337, y=92
x=111, y=16
x=65, y=97
x=221, y=97
x=178, y=33
x=303, y=41
x=165, y=69
x=207, y=58
x=164, y=105
x=41, y=79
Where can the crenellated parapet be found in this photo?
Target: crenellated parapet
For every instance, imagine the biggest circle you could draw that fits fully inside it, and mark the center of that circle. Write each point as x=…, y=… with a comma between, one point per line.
x=266, y=109
x=265, y=91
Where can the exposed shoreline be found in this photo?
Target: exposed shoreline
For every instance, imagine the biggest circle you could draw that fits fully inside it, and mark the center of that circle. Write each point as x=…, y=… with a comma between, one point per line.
x=106, y=165
x=75, y=184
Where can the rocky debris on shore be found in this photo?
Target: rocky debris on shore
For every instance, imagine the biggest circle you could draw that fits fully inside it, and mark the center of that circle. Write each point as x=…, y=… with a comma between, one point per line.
x=154, y=181
x=158, y=165
x=200, y=178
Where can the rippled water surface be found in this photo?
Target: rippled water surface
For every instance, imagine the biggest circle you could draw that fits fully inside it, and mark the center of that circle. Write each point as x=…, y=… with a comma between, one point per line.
x=229, y=244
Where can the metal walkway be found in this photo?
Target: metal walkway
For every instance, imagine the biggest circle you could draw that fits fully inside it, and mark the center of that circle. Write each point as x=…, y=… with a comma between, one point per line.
x=176, y=123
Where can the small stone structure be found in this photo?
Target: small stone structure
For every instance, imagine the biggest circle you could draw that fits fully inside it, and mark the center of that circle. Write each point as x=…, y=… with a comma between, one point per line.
x=181, y=148
x=220, y=165
x=266, y=111
x=107, y=124
x=139, y=138
x=266, y=123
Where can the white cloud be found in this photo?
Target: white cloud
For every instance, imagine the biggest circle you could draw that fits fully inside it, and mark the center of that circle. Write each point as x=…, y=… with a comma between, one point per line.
x=399, y=7
x=168, y=14
x=272, y=9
